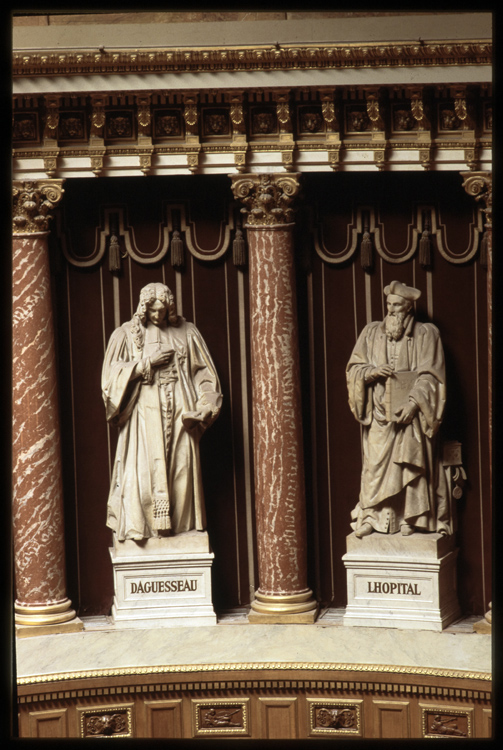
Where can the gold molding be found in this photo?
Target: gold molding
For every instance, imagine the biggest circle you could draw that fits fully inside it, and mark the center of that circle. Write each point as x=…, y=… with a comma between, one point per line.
x=261, y=57
x=257, y=666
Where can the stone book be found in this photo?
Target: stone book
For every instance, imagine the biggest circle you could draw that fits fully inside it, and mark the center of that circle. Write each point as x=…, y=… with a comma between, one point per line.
x=398, y=388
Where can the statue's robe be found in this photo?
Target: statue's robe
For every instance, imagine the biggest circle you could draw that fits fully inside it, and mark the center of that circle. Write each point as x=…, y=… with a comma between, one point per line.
x=402, y=478
x=156, y=479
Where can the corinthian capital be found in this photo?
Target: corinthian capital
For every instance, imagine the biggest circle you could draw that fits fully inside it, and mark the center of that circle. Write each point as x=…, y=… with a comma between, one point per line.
x=32, y=203
x=480, y=186
x=267, y=198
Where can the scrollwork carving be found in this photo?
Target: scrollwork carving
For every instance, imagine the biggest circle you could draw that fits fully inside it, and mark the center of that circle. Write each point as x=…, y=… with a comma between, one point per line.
x=480, y=186
x=106, y=725
x=106, y=722
x=267, y=198
x=335, y=718
x=32, y=204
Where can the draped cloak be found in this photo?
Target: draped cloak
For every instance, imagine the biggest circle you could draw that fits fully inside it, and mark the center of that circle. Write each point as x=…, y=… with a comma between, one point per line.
x=402, y=478
x=156, y=479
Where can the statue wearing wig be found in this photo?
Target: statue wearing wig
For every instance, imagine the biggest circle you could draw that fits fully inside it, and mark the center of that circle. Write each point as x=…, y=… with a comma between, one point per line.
x=161, y=389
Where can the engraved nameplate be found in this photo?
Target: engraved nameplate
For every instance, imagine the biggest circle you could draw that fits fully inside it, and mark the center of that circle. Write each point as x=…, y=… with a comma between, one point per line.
x=371, y=587
x=161, y=587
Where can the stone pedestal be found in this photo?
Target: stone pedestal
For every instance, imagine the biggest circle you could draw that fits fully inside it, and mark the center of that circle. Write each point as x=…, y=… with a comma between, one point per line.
x=402, y=582
x=163, y=582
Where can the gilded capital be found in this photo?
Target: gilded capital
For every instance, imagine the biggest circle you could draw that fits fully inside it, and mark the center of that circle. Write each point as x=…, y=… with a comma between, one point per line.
x=267, y=198
x=32, y=203
x=480, y=186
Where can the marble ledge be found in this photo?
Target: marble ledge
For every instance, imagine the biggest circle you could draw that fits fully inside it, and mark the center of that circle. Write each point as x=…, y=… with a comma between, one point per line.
x=234, y=641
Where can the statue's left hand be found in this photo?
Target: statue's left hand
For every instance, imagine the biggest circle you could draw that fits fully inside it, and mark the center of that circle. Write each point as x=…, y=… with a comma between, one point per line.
x=193, y=418
x=407, y=413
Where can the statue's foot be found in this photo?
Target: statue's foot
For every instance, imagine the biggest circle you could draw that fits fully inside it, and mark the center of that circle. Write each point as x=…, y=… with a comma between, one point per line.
x=406, y=529
x=364, y=530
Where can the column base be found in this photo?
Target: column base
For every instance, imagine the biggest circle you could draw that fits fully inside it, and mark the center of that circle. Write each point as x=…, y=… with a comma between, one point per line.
x=29, y=631
x=284, y=608
x=46, y=619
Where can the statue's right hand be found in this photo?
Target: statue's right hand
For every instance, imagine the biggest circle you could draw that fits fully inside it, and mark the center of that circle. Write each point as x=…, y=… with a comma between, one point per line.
x=383, y=371
x=160, y=358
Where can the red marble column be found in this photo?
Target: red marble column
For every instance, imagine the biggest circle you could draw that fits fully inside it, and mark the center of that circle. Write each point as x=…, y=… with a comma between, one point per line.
x=283, y=594
x=480, y=186
x=41, y=605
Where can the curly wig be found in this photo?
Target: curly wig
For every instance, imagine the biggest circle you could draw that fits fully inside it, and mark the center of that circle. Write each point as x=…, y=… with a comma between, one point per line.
x=148, y=295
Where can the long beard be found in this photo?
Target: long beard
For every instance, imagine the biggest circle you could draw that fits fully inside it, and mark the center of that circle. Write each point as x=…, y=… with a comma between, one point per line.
x=395, y=325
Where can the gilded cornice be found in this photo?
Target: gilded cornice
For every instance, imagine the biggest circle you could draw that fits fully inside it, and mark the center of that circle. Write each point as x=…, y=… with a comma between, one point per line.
x=370, y=669
x=249, y=58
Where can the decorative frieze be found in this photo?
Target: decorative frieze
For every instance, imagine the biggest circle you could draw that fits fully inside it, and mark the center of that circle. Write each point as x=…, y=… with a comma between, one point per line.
x=430, y=122
x=261, y=57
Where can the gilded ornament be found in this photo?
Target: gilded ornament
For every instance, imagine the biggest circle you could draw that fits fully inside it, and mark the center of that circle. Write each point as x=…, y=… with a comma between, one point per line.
x=283, y=113
x=267, y=198
x=289, y=56
x=50, y=165
x=51, y=116
x=373, y=112
x=328, y=111
x=32, y=202
x=98, y=115
x=144, y=115
x=236, y=113
x=190, y=112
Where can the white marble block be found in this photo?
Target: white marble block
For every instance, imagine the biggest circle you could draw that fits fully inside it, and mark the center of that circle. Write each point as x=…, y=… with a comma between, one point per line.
x=401, y=581
x=163, y=582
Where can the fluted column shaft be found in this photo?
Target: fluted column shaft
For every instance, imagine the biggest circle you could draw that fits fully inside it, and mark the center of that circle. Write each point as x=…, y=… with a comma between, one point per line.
x=283, y=594
x=37, y=477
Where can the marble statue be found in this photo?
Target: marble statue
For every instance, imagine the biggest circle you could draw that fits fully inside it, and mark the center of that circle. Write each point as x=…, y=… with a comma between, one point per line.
x=161, y=389
x=396, y=386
